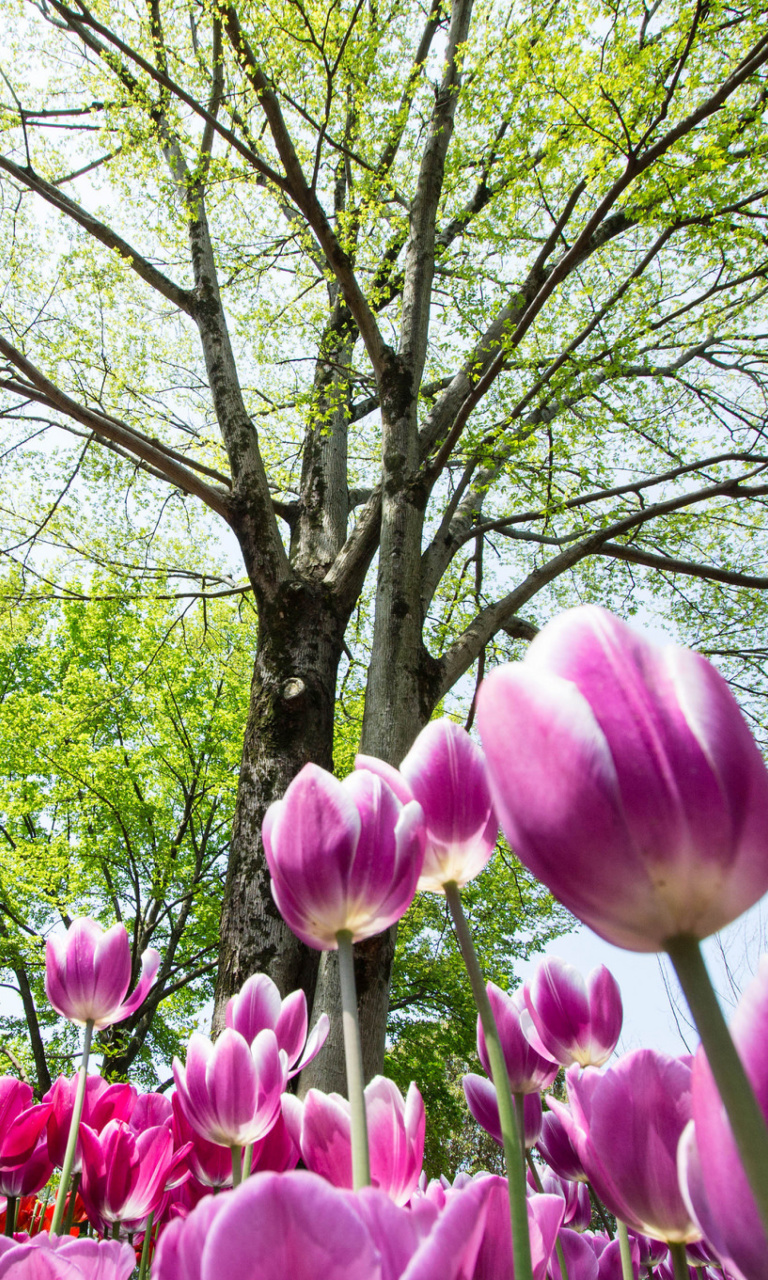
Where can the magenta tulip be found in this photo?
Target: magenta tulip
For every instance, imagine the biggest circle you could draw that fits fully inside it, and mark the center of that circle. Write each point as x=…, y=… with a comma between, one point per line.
x=30, y=1176
x=343, y=856
x=627, y=781
x=88, y=972
x=576, y=1021
x=712, y=1176
x=230, y=1091
x=125, y=1174
x=396, y=1129
x=445, y=772
x=22, y=1126
x=625, y=1124
x=484, y=1108
x=545, y=1217
x=529, y=1070
x=209, y=1162
x=103, y=1102
x=258, y=1007
x=558, y=1150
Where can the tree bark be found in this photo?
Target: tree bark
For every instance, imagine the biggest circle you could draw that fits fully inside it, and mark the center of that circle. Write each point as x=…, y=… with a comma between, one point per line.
x=290, y=722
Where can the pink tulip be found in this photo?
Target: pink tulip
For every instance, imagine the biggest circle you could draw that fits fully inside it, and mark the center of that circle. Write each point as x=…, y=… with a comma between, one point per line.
x=627, y=781
x=88, y=972
x=64, y=1258
x=103, y=1102
x=484, y=1108
x=28, y=1177
x=230, y=1091
x=576, y=1021
x=22, y=1127
x=125, y=1175
x=258, y=1007
x=625, y=1124
x=711, y=1174
x=343, y=856
x=395, y=1134
x=445, y=772
x=545, y=1217
x=529, y=1070
x=209, y=1162
x=149, y=1111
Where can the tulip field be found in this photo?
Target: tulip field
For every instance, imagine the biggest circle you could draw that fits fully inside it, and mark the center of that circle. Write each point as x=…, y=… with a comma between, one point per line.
x=625, y=778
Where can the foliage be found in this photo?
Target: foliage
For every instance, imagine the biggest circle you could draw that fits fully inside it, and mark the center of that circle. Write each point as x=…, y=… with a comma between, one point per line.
x=120, y=726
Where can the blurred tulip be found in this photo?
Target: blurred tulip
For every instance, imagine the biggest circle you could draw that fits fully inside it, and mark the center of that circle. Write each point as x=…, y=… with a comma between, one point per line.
x=64, y=1258
x=445, y=772
x=581, y=1259
x=712, y=1177
x=88, y=972
x=343, y=856
x=626, y=780
x=258, y=1007
x=625, y=1124
x=103, y=1102
x=529, y=1071
x=484, y=1108
x=578, y=1206
x=545, y=1217
x=396, y=1129
x=230, y=1091
x=576, y=1021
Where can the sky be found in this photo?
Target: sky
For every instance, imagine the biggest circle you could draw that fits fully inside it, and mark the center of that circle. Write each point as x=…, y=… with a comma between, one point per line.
x=650, y=1021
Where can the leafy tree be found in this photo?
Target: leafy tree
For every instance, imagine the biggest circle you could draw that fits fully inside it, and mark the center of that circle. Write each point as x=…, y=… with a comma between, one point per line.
x=469, y=298
x=120, y=727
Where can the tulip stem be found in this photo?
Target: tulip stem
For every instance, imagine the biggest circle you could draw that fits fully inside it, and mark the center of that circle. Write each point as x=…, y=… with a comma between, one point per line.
x=10, y=1215
x=627, y=1269
x=74, y=1128
x=353, y=1051
x=742, y=1108
x=510, y=1132
x=247, y=1160
x=237, y=1165
x=70, y=1213
x=679, y=1261
x=145, y=1246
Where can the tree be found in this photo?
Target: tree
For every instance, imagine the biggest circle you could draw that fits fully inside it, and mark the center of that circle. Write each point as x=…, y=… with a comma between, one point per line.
x=469, y=296
x=119, y=726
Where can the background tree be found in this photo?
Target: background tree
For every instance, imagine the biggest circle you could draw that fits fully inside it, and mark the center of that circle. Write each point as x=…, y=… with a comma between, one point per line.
x=471, y=296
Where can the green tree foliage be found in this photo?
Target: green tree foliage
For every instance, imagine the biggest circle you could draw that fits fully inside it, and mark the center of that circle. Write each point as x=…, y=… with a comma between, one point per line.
x=120, y=725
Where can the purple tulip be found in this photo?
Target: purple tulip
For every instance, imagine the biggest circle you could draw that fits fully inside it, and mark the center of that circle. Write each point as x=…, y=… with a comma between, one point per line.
x=343, y=856
x=209, y=1162
x=609, y=1261
x=396, y=1128
x=627, y=781
x=581, y=1259
x=103, y=1102
x=64, y=1258
x=445, y=772
x=480, y=1094
x=258, y=1007
x=625, y=1124
x=712, y=1177
x=88, y=972
x=125, y=1175
x=576, y=1021
x=230, y=1091
x=529, y=1071
x=558, y=1150
x=578, y=1206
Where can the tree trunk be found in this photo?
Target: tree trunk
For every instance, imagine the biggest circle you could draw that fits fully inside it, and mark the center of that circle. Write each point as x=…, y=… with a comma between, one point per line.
x=290, y=722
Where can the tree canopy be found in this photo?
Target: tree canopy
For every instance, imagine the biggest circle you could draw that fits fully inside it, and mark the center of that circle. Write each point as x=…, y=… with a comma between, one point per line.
x=457, y=310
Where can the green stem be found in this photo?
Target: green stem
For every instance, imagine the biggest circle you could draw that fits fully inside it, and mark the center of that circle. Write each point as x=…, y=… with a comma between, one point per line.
x=513, y=1142
x=70, y=1213
x=599, y=1210
x=10, y=1215
x=247, y=1160
x=115, y=1230
x=237, y=1165
x=679, y=1261
x=146, y=1246
x=742, y=1108
x=626, y=1253
x=69, y=1155
x=353, y=1051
